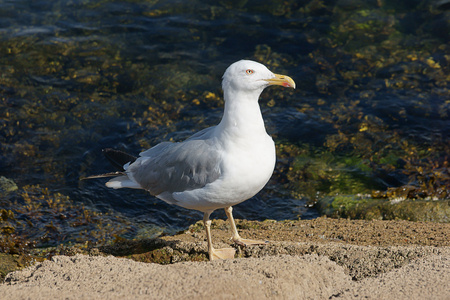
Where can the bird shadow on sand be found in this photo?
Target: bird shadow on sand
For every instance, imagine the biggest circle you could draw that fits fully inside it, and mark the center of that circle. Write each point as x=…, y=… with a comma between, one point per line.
x=156, y=250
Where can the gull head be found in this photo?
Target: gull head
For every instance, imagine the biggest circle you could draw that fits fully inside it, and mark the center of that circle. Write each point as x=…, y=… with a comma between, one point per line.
x=251, y=76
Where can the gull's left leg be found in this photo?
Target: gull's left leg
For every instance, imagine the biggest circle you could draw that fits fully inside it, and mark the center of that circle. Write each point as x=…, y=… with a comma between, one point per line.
x=236, y=238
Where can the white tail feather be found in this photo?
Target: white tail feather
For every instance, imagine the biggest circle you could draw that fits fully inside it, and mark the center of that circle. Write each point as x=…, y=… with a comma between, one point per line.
x=122, y=182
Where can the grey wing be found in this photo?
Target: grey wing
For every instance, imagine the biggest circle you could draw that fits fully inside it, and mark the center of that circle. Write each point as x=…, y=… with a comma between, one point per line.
x=177, y=167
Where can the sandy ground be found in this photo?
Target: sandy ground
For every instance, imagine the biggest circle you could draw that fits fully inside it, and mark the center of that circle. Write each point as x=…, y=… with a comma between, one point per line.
x=315, y=259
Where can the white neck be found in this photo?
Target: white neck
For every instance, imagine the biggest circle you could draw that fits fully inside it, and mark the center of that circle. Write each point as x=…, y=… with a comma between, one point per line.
x=242, y=115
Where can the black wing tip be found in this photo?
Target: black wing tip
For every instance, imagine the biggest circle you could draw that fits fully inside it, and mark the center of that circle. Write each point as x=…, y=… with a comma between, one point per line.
x=118, y=158
x=110, y=174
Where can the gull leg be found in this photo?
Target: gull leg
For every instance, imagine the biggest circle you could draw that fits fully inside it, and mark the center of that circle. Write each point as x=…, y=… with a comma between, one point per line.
x=236, y=238
x=223, y=253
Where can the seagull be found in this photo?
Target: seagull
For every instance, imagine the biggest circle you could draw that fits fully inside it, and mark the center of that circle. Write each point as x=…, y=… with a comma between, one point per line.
x=217, y=167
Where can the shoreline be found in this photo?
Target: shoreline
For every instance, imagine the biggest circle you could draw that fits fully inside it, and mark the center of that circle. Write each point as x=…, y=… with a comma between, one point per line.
x=320, y=258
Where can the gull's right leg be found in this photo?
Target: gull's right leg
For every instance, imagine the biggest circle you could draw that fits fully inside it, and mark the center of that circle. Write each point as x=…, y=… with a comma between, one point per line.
x=223, y=253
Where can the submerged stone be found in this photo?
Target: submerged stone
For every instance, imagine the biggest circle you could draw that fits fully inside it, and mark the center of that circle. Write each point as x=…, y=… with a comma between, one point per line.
x=7, y=185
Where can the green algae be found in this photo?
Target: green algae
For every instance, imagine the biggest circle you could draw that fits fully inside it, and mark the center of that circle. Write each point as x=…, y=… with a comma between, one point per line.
x=367, y=208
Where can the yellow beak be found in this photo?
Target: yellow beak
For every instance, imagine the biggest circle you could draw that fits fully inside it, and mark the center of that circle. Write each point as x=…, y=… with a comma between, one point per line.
x=282, y=80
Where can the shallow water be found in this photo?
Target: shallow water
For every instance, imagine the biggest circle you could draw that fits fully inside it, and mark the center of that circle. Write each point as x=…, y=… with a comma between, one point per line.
x=79, y=76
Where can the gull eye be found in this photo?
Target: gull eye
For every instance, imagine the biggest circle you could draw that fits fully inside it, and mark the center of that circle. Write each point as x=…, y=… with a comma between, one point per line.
x=249, y=71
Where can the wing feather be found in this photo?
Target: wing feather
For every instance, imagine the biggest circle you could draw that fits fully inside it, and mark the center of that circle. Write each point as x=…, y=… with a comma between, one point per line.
x=176, y=167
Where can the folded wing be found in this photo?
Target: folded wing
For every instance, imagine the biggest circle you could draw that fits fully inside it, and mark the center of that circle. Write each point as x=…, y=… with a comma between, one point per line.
x=174, y=167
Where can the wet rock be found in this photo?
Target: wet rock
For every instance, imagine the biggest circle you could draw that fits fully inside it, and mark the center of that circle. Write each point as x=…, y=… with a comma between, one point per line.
x=10, y=263
x=7, y=185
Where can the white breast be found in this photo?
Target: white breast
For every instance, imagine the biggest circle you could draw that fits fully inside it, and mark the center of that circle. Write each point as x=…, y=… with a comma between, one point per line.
x=246, y=170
